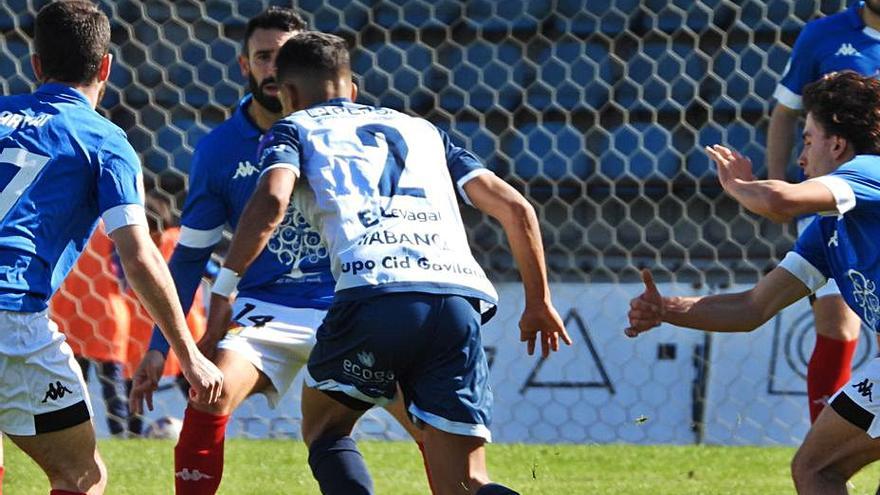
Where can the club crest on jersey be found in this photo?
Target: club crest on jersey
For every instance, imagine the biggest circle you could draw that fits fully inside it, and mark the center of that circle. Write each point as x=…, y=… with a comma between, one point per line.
x=864, y=295
x=295, y=241
x=366, y=358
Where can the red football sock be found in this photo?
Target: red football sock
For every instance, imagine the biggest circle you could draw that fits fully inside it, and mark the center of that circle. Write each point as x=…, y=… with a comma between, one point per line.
x=425, y=462
x=65, y=492
x=1, y=479
x=198, y=456
x=829, y=369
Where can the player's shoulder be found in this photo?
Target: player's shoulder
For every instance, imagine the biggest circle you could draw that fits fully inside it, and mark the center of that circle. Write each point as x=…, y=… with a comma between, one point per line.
x=831, y=28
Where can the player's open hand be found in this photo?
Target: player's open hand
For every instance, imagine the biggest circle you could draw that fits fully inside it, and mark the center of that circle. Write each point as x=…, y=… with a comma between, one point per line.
x=544, y=320
x=732, y=165
x=647, y=310
x=205, y=379
x=145, y=381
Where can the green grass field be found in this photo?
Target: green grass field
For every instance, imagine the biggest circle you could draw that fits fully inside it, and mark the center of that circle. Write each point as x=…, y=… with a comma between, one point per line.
x=268, y=467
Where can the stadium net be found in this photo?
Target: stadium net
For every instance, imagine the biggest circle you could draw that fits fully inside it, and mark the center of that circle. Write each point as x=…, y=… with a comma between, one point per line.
x=597, y=111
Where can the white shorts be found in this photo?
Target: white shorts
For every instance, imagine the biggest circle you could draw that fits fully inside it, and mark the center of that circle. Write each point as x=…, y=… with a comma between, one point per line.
x=276, y=339
x=830, y=288
x=41, y=385
x=859, y=402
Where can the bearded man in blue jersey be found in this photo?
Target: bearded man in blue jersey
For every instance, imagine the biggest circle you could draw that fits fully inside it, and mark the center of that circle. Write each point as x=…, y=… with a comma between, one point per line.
x=841, y=159
x=62, y=167
x=285, y=294
x=382, y=188
x=846, y=40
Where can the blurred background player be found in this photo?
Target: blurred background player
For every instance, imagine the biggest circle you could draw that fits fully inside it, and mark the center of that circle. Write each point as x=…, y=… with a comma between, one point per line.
x=847, y=40
x=92, y=312
x=406, y=311
x=841, y=159
x=284, y=297
x=165, y=235
x=66, y=167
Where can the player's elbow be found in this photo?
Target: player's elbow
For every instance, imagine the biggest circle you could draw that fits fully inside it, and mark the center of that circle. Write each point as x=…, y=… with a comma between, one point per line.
x=779, y=208
x=514, y=210
x=270, y=206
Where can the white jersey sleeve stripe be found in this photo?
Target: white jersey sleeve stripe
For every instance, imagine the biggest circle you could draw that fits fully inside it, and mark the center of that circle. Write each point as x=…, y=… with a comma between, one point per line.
x=788, y=97
x=289, y=166
x=197, y=238
x=798, y=266
x=122, y=215
x=466, y=178
x=842, y=192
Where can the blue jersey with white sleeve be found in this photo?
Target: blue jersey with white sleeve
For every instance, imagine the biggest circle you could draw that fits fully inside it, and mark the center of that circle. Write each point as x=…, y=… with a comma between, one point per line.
x=844, y=244
x=293, y=270
x=838, y=42
x=62, y=166
x=385, y=189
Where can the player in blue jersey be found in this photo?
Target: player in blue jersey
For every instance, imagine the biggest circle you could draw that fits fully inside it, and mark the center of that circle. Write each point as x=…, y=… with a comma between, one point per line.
x=285, y=294
x=848, y=40
x=381, y=187
x=62, y=167
x=841, y=159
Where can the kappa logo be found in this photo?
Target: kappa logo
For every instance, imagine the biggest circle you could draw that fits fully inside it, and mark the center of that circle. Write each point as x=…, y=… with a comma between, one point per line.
x=187, y=474
x=833, y=242
x=864, y=387
x=366, y=358
x=245, y=169
x=847, y=50
x=56, y=391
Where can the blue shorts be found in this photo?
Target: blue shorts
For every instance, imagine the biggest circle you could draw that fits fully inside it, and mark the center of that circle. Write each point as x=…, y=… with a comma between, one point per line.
x=428, y=343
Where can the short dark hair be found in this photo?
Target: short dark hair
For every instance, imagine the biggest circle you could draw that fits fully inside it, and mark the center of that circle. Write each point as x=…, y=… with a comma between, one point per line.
x=280, y=18
x=315, y=54
x=847, y=104
x=71, y=38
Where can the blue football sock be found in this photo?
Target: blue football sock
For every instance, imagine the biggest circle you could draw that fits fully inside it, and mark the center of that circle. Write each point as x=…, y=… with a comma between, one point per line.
x=339, y=467
x=495, y=489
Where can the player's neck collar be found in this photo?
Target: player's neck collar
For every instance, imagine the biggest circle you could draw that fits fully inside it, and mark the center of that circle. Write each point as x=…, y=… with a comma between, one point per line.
x=245, y=122
x=332, y=102
x=57, y=88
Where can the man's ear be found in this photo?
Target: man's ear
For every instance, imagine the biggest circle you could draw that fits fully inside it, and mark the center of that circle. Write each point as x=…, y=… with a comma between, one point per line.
x=840, y=147
x=245, y=66
x=104, y=69
x=289, y=97
x=354, y=91
x=37, y=65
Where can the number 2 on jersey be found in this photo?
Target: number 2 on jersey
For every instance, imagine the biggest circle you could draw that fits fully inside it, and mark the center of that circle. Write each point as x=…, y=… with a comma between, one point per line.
x=394, y=162
x=28, y=167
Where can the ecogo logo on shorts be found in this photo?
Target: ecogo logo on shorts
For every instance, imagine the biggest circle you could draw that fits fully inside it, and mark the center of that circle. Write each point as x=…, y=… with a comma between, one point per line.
x=362, y=369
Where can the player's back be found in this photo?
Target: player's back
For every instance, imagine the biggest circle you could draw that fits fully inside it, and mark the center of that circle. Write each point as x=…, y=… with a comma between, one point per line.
x=385, y=200
x=52, y=147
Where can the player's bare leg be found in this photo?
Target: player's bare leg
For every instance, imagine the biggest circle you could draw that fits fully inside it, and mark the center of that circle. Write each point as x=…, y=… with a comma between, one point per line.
x=397, y=409
x=198, y=456
x=833, y=451
x=69, y=457
x=457, y=462
x=837, y=329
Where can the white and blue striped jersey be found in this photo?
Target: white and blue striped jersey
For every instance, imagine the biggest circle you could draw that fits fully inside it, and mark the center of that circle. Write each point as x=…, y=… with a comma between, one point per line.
x=62, y=166
x=844, y=244
x=384, y=198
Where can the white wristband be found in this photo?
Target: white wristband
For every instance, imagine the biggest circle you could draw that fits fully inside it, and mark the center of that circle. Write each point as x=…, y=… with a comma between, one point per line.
x=226, y=283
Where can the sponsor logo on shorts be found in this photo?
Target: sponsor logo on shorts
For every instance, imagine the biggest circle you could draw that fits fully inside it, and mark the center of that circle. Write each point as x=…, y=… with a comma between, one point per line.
x=362, y=370
x=56, y=391
x=864, y=387
x=187, y=474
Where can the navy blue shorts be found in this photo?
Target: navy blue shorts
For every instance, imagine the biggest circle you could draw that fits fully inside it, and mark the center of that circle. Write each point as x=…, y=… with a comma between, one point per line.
x=428, y=343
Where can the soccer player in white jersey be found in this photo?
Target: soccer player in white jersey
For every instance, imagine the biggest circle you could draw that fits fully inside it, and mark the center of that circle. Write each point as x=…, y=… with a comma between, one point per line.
x=286, y=292
x=64, y=166
x=381, y=187
x=846, y=40
x=841, y=159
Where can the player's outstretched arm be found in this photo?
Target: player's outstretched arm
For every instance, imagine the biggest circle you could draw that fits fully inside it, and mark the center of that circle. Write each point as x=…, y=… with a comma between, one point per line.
x=497, y=199
x=776, y=200
x=780, y=140
x=738, y=312
x=261, y=216
x=148, y=275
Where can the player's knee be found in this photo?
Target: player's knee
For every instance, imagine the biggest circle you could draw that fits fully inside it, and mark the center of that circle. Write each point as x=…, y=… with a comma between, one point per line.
x=87, y=477
x=223, y=406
